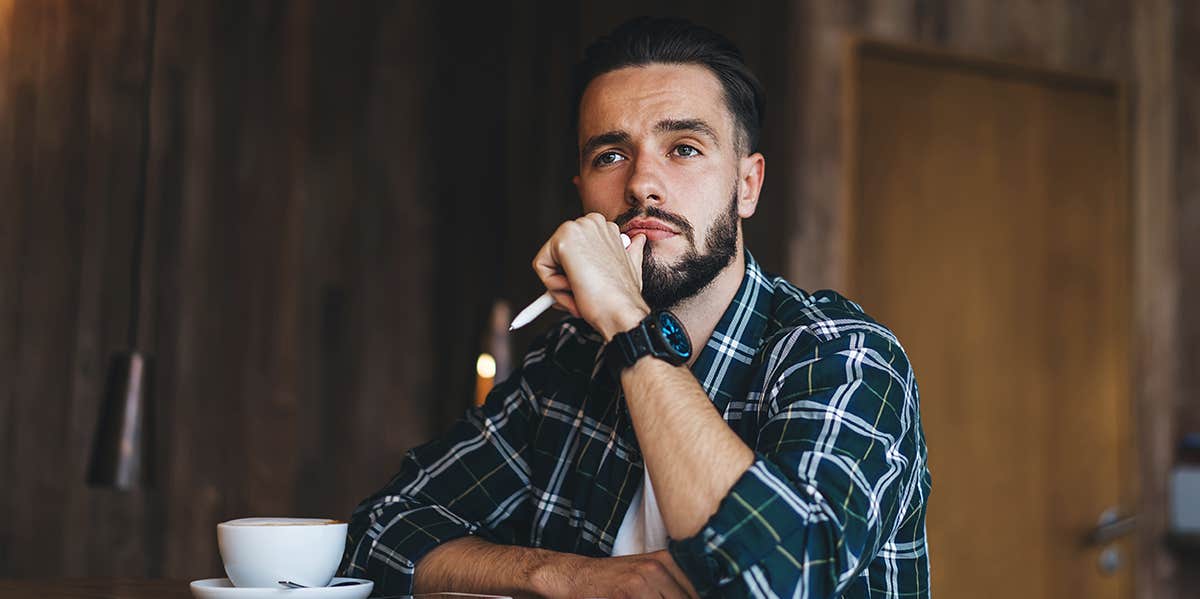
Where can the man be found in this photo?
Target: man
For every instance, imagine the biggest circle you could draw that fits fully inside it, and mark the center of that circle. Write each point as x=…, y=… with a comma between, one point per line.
x=697, y=428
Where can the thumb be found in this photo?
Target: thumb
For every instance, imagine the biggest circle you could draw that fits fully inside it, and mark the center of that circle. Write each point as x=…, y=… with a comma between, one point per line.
x=636, y=247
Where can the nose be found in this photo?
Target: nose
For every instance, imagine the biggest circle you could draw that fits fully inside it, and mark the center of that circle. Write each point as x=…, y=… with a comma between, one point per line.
x=645, y=184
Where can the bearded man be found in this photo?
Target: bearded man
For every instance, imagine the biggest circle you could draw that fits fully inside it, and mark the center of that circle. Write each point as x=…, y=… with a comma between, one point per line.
x=697, y=427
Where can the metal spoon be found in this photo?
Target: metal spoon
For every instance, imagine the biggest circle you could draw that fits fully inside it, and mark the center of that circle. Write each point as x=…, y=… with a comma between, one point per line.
x=295, y=585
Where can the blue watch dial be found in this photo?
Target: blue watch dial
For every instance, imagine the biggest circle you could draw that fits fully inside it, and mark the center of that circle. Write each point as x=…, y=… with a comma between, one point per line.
x=673, y=331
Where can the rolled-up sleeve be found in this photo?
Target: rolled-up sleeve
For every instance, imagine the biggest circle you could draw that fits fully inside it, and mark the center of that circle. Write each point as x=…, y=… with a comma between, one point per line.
x=469, y=481
x=839, y=468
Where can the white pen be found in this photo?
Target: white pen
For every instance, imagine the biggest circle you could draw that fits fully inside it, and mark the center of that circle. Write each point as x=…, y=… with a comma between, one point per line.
x=542, y=303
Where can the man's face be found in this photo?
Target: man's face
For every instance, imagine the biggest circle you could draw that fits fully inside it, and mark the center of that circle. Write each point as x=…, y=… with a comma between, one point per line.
x=659, y=157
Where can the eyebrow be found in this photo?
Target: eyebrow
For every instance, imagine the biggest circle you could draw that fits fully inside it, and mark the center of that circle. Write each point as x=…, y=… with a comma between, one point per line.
x=687, y=125
x=664, y=126
x=604, y=139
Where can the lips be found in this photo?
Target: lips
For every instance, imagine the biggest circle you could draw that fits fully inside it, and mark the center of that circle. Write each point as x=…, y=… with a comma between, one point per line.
x=653, y=230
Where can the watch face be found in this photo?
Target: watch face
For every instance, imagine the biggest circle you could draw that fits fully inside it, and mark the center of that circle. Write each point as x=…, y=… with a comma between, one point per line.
x=673, y=331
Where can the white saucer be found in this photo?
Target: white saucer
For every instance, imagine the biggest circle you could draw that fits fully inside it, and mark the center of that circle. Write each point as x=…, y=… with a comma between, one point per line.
x=221, y=588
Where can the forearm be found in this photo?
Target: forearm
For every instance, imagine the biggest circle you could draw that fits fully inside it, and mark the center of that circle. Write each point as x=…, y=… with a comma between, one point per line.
x=681, y=434
x=473, y=565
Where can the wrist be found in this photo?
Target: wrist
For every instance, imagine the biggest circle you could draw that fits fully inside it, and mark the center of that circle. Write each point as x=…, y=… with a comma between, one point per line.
x=645, y=365
x=624, y=320
x=554, y=574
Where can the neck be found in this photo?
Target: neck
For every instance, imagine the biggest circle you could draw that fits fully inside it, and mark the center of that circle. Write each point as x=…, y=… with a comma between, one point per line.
x=701, y=313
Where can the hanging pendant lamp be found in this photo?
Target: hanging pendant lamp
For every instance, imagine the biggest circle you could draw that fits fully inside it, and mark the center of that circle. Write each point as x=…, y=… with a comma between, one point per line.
x=122, y=429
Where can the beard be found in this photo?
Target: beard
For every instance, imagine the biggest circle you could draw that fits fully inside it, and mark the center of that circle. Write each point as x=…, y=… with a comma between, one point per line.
x=665, y=286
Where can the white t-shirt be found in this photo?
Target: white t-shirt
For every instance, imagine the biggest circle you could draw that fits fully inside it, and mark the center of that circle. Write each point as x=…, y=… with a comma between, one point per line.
x=642, y=530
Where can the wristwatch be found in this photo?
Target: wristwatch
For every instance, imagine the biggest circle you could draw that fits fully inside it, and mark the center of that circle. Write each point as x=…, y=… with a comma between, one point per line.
x=661, y=334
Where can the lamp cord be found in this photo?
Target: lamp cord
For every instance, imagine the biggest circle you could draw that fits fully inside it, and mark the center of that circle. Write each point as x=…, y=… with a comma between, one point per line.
x=139, y=222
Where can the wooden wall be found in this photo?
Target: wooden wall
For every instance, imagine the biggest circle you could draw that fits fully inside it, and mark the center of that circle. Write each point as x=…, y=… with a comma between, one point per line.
x=337, y=191
x=70, y=122
x=335, y=194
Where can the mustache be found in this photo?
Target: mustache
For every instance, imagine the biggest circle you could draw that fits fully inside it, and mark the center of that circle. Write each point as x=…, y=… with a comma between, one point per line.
x=652, y=212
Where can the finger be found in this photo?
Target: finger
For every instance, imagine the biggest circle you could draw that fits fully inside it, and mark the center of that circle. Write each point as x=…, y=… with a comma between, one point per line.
x=548, y=261
x=548, y=270
x=676, y=572
x=635, y=251
x=653, y=578
x=664, y=583
x=564, y=300
x=616, y=231
x=544, y=263
x=594, y=218
x=556, y=282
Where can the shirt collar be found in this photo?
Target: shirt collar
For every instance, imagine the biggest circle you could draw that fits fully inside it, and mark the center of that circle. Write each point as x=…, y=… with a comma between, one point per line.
x=725, y=364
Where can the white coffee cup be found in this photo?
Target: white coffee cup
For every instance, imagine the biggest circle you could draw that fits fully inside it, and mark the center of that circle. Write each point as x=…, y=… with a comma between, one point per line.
x=260, y=552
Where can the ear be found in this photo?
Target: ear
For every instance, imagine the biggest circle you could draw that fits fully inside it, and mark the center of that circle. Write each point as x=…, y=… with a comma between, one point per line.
x=575, y=180
x=751, y=170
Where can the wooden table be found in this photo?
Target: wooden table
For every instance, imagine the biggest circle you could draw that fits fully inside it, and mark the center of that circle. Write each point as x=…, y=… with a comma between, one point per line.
x=95, y=588
x=108, y=588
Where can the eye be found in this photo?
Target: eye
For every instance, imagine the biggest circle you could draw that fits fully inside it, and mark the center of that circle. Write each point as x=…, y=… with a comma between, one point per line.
x=686, y=151
x=607, y=158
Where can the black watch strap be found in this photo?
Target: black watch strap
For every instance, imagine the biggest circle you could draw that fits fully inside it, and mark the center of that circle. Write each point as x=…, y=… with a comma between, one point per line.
x=632, y=345
x=646, y=339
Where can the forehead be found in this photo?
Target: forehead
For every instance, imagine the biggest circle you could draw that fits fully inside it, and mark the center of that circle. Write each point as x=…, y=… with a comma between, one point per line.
x=634, y=99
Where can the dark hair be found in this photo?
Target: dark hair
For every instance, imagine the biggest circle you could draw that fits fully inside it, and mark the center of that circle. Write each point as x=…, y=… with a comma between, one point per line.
x=664, y=40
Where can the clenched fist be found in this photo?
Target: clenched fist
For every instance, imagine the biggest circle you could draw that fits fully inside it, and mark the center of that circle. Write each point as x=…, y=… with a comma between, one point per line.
x=591, y=275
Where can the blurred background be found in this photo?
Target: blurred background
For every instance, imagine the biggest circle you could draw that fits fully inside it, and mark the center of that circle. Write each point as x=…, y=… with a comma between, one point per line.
x=307, y=217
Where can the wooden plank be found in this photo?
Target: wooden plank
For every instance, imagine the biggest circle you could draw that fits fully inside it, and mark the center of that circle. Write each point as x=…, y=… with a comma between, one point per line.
x=68, y=207
x=95, y=588
x=372, y=391
x=113, y=55
x=196, y=414
x=14, y=74
x=814, y=248
x=1157, y=313
x=1187, y=192
x=28, y=30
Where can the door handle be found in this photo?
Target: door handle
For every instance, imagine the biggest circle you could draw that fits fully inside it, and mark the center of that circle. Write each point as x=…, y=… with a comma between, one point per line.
x=1111, y=527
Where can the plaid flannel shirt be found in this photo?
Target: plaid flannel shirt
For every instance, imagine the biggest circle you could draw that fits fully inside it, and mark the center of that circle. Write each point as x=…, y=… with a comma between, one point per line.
x=834, y=504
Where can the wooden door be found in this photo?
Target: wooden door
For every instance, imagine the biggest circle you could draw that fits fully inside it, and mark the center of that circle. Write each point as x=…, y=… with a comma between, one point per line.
x=989, y=225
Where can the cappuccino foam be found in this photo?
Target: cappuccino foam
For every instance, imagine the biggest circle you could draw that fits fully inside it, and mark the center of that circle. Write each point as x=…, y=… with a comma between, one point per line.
x=282, y=522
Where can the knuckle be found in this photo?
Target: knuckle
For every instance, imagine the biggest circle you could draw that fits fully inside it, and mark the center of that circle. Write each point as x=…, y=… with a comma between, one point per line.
x=629, y=581
x=560, y=245
x=649, y=567
x=567, y=230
